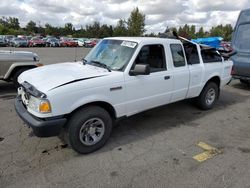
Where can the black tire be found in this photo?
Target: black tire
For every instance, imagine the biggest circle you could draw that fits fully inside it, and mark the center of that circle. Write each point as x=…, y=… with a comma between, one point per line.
x=15, y=76
x=205, y=101
x=76, y=126
x=245, y=82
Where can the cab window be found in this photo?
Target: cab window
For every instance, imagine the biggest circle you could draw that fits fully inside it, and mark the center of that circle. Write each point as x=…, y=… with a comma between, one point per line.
x=152, y=55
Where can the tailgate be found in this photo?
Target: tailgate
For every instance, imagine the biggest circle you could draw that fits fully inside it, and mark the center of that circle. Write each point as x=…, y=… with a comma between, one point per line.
x=226, y=75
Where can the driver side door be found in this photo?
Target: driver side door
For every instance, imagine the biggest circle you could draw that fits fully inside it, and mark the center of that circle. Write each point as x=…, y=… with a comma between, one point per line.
x=149, y=91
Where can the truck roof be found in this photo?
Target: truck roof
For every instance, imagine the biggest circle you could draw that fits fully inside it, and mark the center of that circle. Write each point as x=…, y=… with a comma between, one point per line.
x=146, y=39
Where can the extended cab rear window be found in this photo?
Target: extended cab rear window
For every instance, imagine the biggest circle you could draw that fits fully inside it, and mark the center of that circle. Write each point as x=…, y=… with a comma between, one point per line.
x=177, y=55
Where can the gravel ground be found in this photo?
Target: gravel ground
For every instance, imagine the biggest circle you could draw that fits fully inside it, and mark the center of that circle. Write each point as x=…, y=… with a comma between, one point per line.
x=152, y=149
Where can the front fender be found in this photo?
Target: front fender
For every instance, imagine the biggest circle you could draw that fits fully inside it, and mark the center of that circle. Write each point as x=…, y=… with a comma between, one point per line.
x=90, y=99
x=17, y=65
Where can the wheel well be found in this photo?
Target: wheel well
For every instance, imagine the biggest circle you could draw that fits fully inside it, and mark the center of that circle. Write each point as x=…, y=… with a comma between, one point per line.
x=13, y=72
x=216, y=80
x=108, y=107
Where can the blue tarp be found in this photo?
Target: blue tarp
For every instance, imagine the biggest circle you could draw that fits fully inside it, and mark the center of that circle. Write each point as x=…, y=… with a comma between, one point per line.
x=210, y=41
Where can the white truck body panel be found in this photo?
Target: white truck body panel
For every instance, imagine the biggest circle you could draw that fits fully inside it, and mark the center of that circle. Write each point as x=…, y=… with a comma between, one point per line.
x=69, y=86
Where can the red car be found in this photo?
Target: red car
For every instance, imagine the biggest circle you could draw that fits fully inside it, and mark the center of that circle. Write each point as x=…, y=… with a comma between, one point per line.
x=68, y=43
x=35, y=41
x=91, y=43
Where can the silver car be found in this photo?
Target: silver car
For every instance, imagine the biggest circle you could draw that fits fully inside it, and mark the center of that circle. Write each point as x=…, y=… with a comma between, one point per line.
x=19, y=42
x=13, y=63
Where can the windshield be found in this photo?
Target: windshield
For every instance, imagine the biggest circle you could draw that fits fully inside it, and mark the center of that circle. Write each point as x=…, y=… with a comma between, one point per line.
x=113, y=53
x=242, y=40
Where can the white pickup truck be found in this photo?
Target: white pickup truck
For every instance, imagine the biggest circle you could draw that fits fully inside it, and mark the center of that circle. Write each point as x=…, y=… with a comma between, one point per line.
x=120, y=77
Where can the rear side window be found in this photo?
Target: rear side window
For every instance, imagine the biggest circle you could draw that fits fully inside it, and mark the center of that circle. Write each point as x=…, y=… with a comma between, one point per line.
x=210, y=56
x=191, y=53
x=177, y=55
x=242, y=40
x=154, y=56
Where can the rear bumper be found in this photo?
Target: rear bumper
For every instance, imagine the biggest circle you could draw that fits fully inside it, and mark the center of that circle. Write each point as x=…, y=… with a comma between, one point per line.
x=40, y=127
x=242, y=77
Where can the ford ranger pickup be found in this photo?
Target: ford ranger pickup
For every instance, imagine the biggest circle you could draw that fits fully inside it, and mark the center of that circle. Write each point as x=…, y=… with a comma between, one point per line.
x=120, y=77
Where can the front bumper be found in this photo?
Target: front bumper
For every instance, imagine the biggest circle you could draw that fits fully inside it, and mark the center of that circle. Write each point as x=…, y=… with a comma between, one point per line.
x=40, y=127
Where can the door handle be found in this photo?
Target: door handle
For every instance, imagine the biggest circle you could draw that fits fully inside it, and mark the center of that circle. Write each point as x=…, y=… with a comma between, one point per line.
x=166, y=77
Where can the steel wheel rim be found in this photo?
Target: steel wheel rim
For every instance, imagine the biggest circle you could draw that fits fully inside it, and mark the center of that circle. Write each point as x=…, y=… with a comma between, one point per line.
x=92, y=131
x=210, y=96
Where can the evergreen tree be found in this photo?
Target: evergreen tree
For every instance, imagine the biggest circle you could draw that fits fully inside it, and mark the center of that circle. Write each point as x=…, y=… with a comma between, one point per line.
x=31, y=27
x=136, y=23
x=121, y=28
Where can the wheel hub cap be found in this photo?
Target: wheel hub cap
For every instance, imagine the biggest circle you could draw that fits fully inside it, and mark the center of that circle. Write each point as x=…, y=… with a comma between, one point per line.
x=92, y=131
x=210, y=97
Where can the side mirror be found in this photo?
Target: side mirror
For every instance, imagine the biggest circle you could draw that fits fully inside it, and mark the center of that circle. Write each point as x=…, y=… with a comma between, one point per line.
x=140, y=69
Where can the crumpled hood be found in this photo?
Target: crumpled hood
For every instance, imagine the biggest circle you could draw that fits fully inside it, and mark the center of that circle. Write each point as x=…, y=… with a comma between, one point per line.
x=51, y=76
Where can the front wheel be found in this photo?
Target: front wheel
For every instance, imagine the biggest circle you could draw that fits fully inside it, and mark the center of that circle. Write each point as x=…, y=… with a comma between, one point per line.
x=89, y=129
x=208, y=96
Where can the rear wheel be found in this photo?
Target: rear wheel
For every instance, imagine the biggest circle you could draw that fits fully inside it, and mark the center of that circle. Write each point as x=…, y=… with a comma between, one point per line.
x=208, y=96
x=89, y=129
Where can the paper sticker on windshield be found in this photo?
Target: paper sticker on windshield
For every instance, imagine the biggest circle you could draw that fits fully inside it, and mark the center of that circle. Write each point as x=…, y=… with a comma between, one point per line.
x=129, y=44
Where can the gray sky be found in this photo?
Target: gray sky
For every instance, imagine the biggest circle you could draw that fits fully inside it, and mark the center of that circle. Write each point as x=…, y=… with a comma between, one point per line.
x=159, y=13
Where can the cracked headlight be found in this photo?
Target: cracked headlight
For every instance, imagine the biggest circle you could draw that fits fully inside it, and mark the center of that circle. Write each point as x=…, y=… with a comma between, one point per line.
x=39, y=105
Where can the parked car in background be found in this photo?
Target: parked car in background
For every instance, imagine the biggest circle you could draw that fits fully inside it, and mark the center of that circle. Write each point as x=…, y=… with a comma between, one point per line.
x=52, y=42
x=21, y=36
x=241, y=45
x=3, y=42
x=13, y=63
x=8, y=38
x=68, y=42
x=36, y=42
x=19, y=42
x=81, y=41
x=29, y=37
x=91, y=43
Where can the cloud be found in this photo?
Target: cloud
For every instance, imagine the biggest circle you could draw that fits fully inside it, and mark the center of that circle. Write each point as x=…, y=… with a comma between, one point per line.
x=193, y=17
x=159, y=13
x=219, y=5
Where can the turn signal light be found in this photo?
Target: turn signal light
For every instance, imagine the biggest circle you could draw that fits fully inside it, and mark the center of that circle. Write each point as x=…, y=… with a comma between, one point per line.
x=44, y=107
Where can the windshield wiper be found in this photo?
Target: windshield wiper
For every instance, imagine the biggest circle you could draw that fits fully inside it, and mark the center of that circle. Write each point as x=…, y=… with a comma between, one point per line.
x=84, y=61
x=101, y=65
